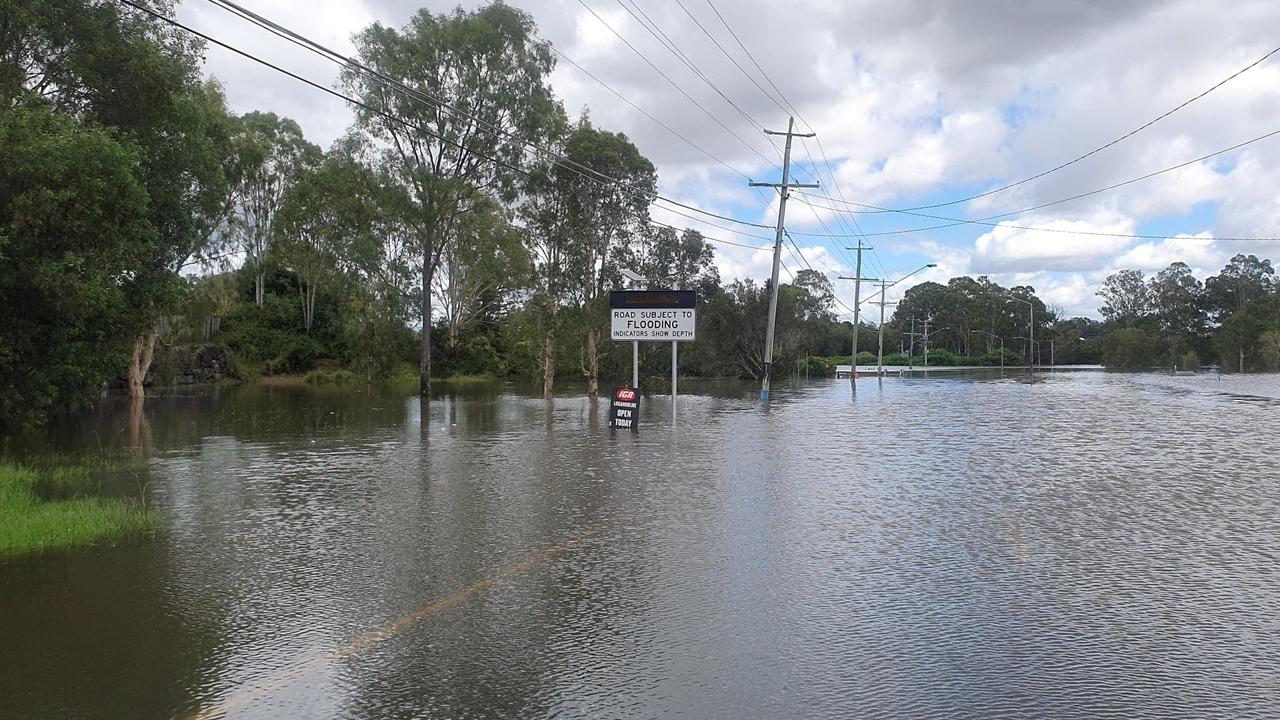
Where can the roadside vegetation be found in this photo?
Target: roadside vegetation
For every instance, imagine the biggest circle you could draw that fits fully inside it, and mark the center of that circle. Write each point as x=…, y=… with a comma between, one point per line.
x=328, y=260
x=52, y=509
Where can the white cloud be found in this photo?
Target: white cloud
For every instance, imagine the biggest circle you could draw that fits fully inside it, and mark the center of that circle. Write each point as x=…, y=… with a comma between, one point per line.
x=1197, y=251
x=1011, y=248
x=911, y=100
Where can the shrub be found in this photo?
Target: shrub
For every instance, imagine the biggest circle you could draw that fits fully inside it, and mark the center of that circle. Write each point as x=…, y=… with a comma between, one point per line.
x=330, y=377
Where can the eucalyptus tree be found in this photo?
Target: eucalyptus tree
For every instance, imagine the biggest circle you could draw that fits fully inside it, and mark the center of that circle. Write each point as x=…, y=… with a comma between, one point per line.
x=668, y=258
x=271, y=154
x=73, y=230
x=1126, y=298
x=547, y=239
x=480, y=269
x=603, y=218
x=1177, y=300
x=1245, y=279
x=450, y=100
x=325, y=212
x=105, y=66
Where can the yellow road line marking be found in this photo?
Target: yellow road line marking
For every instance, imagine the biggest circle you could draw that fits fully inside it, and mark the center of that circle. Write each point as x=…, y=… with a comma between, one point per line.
x=238, y=700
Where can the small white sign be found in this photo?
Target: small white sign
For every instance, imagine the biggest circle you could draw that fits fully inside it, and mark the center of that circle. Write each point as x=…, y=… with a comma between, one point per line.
x=668, y=325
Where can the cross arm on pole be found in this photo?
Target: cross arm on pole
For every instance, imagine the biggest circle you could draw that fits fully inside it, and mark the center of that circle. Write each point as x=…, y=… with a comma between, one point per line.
x=782, y=185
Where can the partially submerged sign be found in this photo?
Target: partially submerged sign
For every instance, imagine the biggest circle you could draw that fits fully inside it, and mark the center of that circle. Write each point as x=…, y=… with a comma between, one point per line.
x=624, y=408
x=666, y=315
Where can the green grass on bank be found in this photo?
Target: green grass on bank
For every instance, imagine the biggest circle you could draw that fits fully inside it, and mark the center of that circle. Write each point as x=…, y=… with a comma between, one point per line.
x=46, y=510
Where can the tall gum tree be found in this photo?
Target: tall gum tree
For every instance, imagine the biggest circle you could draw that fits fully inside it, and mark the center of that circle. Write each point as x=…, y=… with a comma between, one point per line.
x=270, y=155
x=485, y=65
x=603, y=219
x=106, y=66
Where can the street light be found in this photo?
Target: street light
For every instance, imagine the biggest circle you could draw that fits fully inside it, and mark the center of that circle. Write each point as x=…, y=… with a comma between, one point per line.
x=1051, y=349
x=984, y=332
x=884, y=285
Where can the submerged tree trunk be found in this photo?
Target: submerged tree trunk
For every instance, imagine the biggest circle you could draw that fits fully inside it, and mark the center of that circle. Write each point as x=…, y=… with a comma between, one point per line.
x=591, y=369
x=549, y=367
x=143, y=348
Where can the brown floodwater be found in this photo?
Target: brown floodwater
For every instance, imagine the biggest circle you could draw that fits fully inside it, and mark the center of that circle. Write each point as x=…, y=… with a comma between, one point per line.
x=1093, y=545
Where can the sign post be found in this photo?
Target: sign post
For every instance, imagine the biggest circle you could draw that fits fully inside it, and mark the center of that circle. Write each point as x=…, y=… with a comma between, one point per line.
x=655, y=315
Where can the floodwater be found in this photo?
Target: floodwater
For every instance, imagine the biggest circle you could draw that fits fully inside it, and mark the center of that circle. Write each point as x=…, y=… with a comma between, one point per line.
x=1093, y=545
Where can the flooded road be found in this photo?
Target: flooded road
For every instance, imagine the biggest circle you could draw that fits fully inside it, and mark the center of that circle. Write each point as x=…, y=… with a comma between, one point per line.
x=1089, y=546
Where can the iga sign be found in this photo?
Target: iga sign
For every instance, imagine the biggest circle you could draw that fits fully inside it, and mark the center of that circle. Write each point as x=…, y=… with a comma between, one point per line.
x=665, y=315
x=624, y=408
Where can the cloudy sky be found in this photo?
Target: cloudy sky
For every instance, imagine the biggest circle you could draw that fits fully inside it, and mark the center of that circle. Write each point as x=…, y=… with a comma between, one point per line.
x=914, y=104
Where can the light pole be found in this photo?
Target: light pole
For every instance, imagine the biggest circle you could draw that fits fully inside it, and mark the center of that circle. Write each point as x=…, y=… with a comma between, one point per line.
x=991, y=334
x=882, y=303
x=1031, y=366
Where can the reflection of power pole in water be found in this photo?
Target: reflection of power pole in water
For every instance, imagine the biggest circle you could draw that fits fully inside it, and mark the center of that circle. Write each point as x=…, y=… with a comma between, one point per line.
x=783, y=189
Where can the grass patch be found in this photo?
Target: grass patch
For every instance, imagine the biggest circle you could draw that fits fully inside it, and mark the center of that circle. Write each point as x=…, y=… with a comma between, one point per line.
x=330, y=377
x=45, y=510
x=464, y=379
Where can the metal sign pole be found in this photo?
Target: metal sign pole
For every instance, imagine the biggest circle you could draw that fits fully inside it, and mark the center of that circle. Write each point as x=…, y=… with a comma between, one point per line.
x=635, y=363
x=674, y=345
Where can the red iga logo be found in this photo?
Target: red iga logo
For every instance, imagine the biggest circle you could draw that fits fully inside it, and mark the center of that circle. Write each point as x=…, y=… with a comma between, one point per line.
x=625, y=395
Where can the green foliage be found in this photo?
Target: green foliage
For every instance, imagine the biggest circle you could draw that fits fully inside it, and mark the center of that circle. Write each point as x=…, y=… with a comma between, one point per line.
x=1131, y=348
x=1190, y=361
x=330, y=377
x=73, y=227
x=487, y=61
x=41, y=511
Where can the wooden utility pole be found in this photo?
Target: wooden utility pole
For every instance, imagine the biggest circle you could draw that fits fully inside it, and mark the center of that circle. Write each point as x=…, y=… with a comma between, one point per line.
x=857, y=300
x=783, y=188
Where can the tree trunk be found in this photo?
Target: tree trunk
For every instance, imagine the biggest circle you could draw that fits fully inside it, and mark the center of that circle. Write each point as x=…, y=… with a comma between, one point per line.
x=258, y=283
x=1241, y=359
x=549, y=367
x=453, y=335
x=143, y=348
x=424, y=357
x=306, y=314
x=592, y=367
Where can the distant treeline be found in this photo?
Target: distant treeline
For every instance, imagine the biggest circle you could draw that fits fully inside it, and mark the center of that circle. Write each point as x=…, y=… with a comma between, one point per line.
x=123, y=172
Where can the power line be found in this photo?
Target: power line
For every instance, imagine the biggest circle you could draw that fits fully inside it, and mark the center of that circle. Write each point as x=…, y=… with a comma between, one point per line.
x=1100, y=148
x=665, y=40
x=669, y=80
x=731, y=58
x=953, y=222
x=413, y=93
x=381, y=113
x=753, y=62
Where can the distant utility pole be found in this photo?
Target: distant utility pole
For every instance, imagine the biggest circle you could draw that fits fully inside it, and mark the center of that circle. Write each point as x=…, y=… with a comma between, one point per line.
x=911, y=346
x=926, y=324
x=783, y=191
x=884, y=285
x=857, y=301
